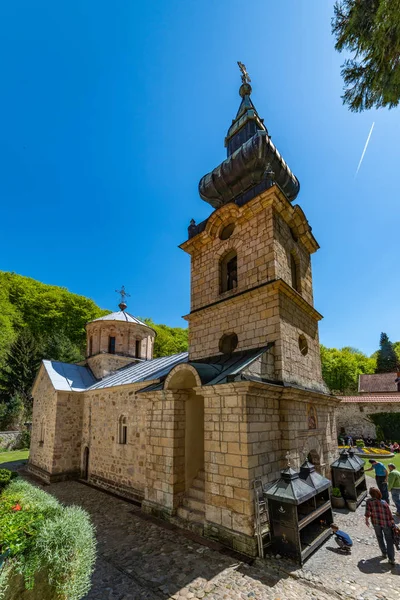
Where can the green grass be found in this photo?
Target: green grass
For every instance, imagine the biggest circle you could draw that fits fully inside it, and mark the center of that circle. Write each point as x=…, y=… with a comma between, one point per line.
x=14, y=455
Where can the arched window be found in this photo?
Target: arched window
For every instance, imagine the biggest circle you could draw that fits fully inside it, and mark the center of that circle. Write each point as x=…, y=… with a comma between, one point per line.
x=138, y=348
x=91, y=345
x=228, y=272
x=111, y=345
x=295, y=272
x=122, y=430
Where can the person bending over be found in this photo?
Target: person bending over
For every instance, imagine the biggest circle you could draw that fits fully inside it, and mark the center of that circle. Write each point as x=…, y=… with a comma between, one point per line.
x=342, y=539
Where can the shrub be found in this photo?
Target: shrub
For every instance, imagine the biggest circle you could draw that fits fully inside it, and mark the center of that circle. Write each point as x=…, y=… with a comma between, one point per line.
x=360, y=443
x=387, y=425
x=5, y=477
x=24, y=440
x=43, y=537
x=336, y=492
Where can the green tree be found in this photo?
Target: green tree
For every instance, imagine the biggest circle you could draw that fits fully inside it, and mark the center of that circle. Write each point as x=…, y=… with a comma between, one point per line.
x=58, y=346
x=169, y=340
x=342, y=367
x=386, y=360
x=20, y=368
x=370, y=31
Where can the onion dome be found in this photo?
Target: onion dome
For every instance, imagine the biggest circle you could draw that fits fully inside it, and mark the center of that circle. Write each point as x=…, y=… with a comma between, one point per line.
x=253, y=163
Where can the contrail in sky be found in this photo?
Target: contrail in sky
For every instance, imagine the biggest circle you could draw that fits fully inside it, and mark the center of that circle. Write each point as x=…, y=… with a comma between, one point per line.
x=365, y=149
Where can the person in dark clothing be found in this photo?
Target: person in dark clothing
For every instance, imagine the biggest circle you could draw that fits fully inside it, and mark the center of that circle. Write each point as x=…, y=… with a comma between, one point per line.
x=342, y=539
x=381, y=517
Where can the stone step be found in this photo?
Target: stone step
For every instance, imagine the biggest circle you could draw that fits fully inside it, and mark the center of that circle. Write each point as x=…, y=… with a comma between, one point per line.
x=193, y=504
x=196, y=492
x=190, y=515
x=198, y=483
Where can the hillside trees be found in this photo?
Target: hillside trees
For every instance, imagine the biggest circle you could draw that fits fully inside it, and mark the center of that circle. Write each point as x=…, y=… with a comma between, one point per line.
x=169, y=340
x=341, y=368
x=370, y=31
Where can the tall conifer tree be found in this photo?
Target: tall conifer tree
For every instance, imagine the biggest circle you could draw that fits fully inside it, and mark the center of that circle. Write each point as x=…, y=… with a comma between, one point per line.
x=370, y=31
x=386, y=360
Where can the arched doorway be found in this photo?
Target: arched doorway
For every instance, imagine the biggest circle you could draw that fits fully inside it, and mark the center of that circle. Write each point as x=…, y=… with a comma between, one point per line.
x=85, y=464
x=184, y=379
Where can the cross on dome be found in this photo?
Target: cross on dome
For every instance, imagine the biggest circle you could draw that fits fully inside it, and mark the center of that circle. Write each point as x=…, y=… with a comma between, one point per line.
x=124, y=294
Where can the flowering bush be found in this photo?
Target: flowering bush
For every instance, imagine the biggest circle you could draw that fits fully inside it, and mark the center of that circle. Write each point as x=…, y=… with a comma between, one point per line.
x=367, y=450
x=38, y=535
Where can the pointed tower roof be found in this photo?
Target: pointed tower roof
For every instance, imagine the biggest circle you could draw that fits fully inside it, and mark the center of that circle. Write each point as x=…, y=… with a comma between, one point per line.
x=253, y=165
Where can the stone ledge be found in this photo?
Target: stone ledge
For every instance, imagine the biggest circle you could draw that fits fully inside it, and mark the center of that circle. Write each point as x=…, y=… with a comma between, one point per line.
x=118, y=489
x=52, y=477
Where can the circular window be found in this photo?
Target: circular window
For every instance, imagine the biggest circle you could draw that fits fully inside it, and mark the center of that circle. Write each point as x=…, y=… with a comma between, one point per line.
x=227, y=231
x=303, y=345
x=228, y=343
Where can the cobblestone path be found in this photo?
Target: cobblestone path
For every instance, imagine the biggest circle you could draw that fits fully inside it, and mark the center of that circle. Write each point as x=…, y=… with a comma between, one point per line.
x=140, y=558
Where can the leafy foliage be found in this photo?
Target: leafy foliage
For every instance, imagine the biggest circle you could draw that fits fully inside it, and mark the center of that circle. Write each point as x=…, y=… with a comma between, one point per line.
x=169, y=340
x=387, y=424
x=341, y=368
x=386, y=359
x=370, y=30
x=41, y=535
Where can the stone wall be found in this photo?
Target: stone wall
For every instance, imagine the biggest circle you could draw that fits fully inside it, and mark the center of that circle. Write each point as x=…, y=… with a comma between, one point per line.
x=284, y=246
x=126, y=334
x=102, y=365
x=353, y=416
x=43, y=431
x=165, y=456
x=9, y=439
x=112, y=465
x=68, y=439
x=272, y=313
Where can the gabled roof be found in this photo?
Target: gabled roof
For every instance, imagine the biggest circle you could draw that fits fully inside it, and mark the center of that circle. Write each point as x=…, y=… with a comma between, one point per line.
x=68, y=378
x=215, y=370
x=144, y=371
x=378, y=382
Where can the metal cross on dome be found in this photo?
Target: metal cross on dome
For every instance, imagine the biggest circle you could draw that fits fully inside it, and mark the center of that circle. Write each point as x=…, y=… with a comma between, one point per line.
x=124, y=294
x=245, y=75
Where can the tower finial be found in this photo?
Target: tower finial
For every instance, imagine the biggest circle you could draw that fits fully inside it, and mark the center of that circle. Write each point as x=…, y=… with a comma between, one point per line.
x=245, y=75
x=288, y=457
x=124, y=294
x=245, y=88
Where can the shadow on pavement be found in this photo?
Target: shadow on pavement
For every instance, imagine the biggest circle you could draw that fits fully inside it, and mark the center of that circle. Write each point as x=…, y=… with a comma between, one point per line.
x=377, y=564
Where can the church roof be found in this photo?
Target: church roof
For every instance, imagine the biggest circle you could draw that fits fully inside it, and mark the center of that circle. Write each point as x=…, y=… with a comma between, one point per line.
x=375, y=399
x=378, y=382
x=143, y=371
x=121, y=315
x=213, y=370
x=68, y=378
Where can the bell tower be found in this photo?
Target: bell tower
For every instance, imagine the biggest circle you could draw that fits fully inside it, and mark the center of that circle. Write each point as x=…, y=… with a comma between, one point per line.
x=251, y=282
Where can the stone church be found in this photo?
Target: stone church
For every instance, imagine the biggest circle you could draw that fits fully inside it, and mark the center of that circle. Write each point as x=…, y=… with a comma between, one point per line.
x=187, y=435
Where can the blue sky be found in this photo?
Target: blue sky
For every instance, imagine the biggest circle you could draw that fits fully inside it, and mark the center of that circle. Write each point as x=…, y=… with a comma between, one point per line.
x=112, y=112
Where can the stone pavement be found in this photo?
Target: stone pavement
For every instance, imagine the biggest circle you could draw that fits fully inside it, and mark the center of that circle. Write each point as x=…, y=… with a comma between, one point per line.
x=140, y=558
